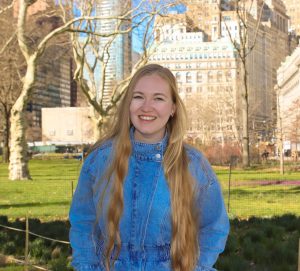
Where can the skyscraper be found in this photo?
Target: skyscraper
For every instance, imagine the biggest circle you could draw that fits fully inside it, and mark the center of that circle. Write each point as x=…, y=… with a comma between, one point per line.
x=119, y=51
x=293, y=11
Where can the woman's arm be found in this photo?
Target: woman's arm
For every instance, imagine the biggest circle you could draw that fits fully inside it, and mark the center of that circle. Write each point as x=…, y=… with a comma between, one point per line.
x=85, y=236
x=214, y=222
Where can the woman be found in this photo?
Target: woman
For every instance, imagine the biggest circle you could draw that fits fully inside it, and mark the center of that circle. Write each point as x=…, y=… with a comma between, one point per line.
x=145, y=200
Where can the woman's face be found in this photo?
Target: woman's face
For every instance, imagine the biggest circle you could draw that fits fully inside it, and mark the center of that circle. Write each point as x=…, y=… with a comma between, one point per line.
x=150, y=108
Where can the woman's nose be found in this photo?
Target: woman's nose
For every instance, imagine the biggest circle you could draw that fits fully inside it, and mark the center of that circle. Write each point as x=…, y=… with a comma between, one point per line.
x=147, y=105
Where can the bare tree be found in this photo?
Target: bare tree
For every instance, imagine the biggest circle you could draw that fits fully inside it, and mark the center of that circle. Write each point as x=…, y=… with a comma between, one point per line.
x=294, y=131
x=279, y=131
x=82, y=23
x=11, y=64
x=139, y=20
x=213, y=115
x=244, y=46
x=201, y=117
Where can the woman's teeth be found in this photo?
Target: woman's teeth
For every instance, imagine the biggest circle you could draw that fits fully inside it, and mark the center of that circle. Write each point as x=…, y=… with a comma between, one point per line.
x=147, y=118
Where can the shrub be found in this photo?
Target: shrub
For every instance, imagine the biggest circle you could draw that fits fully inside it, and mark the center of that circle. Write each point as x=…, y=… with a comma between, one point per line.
x=218, y=155
x=59, y=264
x=40, y=251
x=9, y=248
x=56, y=253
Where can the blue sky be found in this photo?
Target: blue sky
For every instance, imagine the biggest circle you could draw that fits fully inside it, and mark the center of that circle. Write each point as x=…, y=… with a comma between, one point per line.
x=136, y=35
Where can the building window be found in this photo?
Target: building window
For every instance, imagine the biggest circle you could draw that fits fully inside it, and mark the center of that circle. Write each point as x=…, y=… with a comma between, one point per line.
x=188, y=77
x=157, y=34
x=209, y=76
x=178, y=76
x=219, y=76
x=188, y=90
x=52, y=132
x=69, y=132
x=228, y=76
x=199, y=77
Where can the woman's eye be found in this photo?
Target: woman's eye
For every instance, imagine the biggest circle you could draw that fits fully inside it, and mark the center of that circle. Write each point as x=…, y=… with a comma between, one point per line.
x=159, y=99
x=137, y=97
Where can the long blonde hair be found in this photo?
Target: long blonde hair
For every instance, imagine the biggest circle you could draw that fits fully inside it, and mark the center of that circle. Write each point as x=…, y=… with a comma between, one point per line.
x=184, y=243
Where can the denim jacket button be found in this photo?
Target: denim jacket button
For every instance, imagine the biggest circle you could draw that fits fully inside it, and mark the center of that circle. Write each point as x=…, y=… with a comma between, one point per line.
x=157, y=156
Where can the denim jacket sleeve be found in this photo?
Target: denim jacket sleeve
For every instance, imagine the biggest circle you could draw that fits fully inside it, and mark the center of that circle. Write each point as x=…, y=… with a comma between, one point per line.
x=214, y=221
x=84, y=236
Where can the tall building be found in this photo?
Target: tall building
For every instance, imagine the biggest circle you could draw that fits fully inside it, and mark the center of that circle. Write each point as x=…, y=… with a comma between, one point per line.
x=293, y=11
x=119, y=52
x=288, y=77
x=206, y=74
x=204, y=16
x=216, y=31
x=54, y=86
x=270, y=39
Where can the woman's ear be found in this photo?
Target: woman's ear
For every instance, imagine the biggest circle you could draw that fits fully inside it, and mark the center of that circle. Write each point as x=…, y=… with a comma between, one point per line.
x=173, y=110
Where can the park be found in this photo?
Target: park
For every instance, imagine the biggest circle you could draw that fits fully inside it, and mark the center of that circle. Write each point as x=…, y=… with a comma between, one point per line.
x=262, y=204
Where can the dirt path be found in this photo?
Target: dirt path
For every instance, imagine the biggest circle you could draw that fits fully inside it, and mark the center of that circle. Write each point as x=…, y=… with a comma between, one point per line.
x=266, y=182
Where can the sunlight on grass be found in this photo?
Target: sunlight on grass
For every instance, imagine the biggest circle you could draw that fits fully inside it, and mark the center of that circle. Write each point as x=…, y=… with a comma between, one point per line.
x=49, y=194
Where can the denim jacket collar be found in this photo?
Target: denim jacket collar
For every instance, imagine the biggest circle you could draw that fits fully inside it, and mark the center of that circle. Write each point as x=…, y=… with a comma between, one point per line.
x=148, y=151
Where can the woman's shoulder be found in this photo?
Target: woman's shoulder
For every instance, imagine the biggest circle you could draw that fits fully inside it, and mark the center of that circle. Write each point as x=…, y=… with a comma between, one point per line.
x=199, y=165
x=193, y=153
x=100, y=151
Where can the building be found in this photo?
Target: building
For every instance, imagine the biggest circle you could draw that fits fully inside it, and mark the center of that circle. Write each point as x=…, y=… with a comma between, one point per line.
x=206, y=73
x=293, y=11
x=54, y=86
x=206, y=16
x=288, y=78
x=270, y=47
x=65, y=126
x=209, y=44
x=119, y=53
x=267, y=33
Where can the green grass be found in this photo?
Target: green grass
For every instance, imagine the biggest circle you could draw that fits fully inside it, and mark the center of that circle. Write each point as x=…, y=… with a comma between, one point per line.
x=49, y=194
x=250, y=199
x=12, y=268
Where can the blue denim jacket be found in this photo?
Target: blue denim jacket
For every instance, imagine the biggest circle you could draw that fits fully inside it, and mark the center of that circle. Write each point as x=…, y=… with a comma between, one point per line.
x=145, y=226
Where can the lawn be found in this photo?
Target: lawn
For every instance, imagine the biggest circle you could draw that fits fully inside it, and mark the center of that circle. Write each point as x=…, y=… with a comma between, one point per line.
x=49, y=194
x=253, y=242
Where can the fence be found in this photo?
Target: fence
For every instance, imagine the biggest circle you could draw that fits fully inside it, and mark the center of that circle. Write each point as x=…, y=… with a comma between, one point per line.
x=26, y=262
x=260, y=192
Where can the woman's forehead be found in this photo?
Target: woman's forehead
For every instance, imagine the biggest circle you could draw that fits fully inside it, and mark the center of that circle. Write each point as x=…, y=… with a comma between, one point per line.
x=152, y=82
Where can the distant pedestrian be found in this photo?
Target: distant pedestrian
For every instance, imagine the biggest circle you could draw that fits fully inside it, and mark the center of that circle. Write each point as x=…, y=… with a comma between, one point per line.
x=145, y=200
x=265, y=155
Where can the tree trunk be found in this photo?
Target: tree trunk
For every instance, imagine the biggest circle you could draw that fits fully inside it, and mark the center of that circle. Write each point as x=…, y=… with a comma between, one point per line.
x=245, y=117
x=18, y=164
x=6, y=150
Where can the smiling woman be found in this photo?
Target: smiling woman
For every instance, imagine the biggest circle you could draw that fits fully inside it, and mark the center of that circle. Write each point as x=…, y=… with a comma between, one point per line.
x=145, y=200
x=151, y=107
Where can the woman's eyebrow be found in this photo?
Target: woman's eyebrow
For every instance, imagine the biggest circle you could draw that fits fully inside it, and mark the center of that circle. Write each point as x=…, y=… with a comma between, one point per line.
x=154, y=94
x=137, y=92
x=160, y=93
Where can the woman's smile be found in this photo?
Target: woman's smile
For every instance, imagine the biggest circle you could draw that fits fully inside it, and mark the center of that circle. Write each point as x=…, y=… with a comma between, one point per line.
x=150, y=108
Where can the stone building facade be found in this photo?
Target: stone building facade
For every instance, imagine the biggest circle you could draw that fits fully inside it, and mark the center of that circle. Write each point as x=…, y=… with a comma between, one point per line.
x=288, y=78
